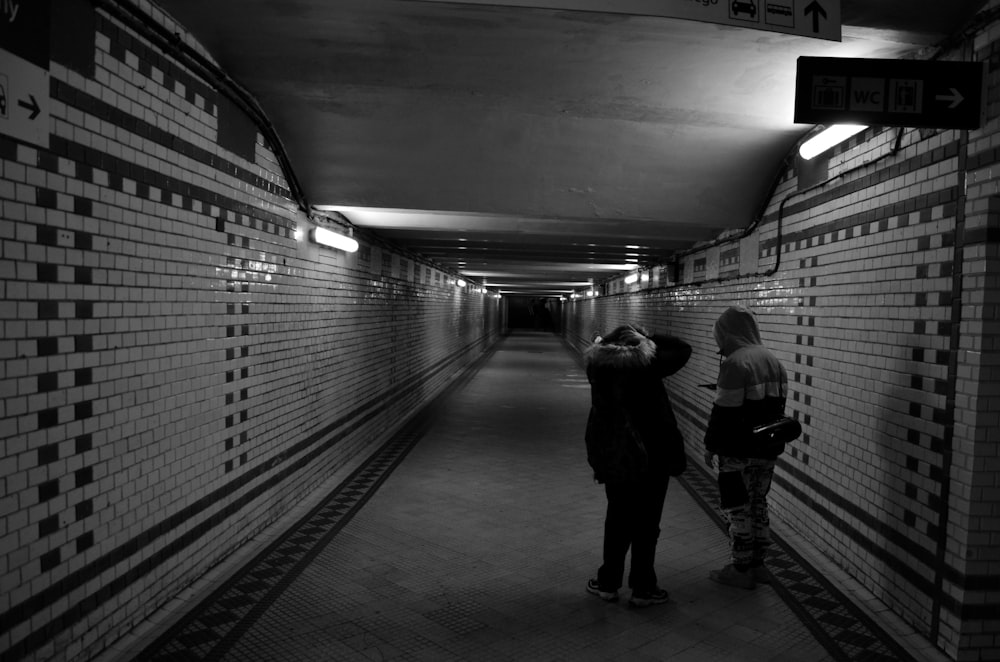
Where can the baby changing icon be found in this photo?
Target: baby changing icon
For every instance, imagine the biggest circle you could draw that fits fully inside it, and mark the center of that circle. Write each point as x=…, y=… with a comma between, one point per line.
x=905, y=95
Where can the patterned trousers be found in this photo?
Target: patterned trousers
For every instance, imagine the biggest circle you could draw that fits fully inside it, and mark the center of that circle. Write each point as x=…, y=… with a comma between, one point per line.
x=743, y=487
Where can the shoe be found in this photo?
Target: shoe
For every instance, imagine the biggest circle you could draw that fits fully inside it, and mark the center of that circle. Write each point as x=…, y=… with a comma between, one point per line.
x=653, y=596
x=761, y=575
x=595, y=588
x=730, y=576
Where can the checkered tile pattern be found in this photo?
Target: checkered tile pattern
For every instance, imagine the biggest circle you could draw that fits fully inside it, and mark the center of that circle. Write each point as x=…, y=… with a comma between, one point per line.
x=232, y=610
x=845, y=631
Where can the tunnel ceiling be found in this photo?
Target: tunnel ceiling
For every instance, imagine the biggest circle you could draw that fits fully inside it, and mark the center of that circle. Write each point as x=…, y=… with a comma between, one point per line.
x=532, y=148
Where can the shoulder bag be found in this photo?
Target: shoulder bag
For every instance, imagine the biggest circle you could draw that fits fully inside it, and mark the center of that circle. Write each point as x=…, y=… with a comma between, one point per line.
x=769, y=439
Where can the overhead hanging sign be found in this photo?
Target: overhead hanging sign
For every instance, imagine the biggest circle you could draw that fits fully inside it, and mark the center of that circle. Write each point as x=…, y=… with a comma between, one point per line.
x=910, y=93
x=807, y=18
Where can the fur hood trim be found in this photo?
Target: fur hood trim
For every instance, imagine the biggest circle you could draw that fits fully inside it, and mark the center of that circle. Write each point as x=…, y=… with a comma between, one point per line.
x=621, y=356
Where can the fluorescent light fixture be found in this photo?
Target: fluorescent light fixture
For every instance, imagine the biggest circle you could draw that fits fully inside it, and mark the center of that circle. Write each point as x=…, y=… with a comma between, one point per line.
x=827, y=138
x=632, y=278
x=334, y=240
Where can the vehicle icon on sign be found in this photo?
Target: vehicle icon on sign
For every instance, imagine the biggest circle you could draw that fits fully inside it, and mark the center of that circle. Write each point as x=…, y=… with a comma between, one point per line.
x=744, y=7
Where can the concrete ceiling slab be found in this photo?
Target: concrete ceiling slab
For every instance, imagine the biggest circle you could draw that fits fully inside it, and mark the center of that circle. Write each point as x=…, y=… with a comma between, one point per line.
x=458, y=129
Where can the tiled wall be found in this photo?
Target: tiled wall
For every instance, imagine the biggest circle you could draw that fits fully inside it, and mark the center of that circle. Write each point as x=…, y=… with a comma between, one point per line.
x=180, y=365
x=884, y=309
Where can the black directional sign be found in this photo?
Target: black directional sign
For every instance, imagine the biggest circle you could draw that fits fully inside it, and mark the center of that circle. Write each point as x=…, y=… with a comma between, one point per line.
x=819, y=19
x=912, y=93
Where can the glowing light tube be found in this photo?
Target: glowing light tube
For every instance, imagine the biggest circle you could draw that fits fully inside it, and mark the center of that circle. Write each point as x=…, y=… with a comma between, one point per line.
x=827, y=138
x=334, y=240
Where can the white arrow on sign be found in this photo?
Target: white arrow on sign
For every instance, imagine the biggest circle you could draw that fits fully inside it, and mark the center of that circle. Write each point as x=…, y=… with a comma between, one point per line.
x=955, y=98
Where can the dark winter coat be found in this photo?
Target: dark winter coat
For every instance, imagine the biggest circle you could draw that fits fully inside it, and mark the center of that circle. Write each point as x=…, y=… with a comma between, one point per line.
x=631, y=431
x=752, y=386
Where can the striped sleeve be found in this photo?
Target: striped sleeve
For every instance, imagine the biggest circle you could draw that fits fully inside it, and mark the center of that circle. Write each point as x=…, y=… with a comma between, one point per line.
x=741, y=380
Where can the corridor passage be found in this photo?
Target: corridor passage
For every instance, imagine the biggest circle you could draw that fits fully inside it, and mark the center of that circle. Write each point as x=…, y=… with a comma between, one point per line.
x=471, y=535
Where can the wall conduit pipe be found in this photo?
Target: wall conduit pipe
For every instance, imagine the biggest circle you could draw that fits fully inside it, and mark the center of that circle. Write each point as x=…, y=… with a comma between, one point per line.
x=171, y=43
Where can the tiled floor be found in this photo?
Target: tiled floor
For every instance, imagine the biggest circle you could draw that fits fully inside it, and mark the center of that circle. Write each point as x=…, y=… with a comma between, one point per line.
x=470, y=536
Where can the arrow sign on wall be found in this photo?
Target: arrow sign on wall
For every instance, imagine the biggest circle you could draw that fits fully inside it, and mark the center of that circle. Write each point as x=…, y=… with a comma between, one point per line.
x=913, y=93
x=25, y=110
x=33, y=106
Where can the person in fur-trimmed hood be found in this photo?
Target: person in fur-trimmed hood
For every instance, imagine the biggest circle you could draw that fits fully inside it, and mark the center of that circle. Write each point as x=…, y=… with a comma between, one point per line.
x=633, y=446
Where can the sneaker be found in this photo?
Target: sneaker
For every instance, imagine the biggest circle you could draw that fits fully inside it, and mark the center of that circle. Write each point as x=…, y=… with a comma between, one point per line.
x=653, y=596
x=595, y=588
x=730, y=576
x=761, y=575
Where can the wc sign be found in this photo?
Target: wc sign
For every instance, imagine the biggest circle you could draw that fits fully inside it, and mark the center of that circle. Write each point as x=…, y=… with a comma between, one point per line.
x=867, y=94
x=873, y=95
x=913, y=93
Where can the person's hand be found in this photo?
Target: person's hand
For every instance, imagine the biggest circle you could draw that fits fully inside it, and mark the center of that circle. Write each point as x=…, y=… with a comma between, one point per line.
x=710, y=459
x=638, y=329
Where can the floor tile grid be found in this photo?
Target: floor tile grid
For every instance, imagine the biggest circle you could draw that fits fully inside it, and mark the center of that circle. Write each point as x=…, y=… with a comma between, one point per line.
x=845, y=631
x=545, y=616
x=477, y=624
x=662, y=631
x=231, y=612
x=228, y=613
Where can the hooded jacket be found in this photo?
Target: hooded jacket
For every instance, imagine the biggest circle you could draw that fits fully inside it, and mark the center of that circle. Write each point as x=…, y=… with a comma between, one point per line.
x=632, y=433
x=752, y=386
